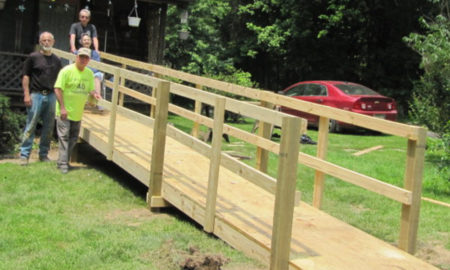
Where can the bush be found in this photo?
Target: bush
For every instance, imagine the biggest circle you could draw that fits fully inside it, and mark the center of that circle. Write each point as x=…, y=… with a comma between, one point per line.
x=430, y=105
x=431, y=98
x=438, y=152
x=10, y=126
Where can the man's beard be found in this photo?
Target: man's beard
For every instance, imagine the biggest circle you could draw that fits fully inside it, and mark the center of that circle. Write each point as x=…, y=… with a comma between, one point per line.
x=46, y=48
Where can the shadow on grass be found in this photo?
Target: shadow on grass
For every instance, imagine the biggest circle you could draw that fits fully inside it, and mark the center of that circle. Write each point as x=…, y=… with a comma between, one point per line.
x=94, y=159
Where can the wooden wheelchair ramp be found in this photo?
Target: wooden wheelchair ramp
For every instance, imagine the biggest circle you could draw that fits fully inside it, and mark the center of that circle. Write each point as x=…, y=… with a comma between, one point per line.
x=244, y=211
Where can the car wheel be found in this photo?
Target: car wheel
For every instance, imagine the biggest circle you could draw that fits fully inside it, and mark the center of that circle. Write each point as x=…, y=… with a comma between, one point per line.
x=334, y=126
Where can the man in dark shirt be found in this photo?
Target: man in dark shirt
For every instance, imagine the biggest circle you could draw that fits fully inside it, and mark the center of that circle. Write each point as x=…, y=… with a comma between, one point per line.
x=80, y=28
x=39, y=75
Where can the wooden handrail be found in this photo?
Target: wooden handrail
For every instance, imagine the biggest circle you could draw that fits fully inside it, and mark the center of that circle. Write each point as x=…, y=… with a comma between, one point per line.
x=381, y=125
x=408, y=196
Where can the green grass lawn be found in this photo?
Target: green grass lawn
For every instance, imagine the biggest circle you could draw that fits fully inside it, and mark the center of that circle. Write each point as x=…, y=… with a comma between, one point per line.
x=95, y=217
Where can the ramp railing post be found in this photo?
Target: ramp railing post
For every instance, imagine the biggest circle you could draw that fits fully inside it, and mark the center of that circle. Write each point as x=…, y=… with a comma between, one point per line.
x=154, y=198
x=214, y=165
x=322, y=147
x=265, y=131
x=413, y=182
x=285, y=193
x=121, y=95
x=197, y=110
x=113, y=114
x=154, y=95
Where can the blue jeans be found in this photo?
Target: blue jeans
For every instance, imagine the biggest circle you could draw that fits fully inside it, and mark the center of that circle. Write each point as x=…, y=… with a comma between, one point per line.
x=43, y=107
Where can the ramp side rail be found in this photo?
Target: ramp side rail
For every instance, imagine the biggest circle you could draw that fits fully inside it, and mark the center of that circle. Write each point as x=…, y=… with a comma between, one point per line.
x=409, y=196
x=283, y=187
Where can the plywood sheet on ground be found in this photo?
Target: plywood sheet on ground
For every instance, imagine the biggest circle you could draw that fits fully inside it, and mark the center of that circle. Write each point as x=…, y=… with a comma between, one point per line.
x=244, y=211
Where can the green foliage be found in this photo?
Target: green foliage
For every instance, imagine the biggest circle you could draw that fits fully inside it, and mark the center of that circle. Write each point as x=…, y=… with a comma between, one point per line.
x=431, y=102
x=438, y=153
x=202, y=53
x=285, y=41
x=10, y=126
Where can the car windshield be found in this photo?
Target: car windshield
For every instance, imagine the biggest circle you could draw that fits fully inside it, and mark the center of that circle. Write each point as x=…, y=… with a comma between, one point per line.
x=356, y=89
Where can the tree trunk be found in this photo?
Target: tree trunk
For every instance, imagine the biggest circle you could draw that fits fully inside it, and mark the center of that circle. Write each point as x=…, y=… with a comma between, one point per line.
x=156, y=24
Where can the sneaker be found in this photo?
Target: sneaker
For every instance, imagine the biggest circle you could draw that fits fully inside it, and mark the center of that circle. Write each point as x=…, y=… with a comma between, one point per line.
x=23, y=161
x=44, y=159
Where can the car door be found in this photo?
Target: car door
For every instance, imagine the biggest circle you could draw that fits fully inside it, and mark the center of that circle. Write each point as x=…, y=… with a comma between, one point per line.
x=306, y=92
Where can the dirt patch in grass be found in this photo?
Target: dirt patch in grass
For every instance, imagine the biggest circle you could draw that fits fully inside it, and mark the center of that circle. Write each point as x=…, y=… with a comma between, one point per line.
x=169, y=257
x=199, y=261
x=434, y=253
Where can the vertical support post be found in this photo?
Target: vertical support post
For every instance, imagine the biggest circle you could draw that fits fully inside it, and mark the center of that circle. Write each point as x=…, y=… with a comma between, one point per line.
x=322, y=147
x=159, y=145
x=265, y=131
x=197, y=110
x=121, y=95
x=113, y=114
x=285, y=193
x=214, y=165
x=154, y=94
x=413, y=181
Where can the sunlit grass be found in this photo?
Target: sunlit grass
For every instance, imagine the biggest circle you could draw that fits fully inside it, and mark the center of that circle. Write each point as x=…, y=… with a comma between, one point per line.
x=89, y=220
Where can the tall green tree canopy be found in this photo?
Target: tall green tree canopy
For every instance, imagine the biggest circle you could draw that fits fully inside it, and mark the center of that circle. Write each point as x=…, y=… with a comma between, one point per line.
x=280, y=42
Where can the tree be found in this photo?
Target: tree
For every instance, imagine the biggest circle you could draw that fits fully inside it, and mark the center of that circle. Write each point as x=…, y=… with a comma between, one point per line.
x=203, y=52
x=431, y=99
x=280, y=42
x=286, y=41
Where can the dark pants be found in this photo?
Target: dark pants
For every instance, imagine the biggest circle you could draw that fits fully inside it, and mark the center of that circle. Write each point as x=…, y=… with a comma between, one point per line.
x=68, y=132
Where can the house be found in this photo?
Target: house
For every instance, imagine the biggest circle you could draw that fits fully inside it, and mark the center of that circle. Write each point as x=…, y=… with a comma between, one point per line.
x=21, y=22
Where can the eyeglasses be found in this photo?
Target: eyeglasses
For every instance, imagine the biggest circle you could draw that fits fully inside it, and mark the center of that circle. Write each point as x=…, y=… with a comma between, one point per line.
x=84, y=17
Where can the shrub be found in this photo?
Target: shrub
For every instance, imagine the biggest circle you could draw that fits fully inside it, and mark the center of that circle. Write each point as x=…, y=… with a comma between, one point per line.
x=10, y=126
x=430, y=105
x=431, y=98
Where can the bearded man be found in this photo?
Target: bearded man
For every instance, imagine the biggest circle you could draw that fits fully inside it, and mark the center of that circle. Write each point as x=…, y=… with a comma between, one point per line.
x=39, y=75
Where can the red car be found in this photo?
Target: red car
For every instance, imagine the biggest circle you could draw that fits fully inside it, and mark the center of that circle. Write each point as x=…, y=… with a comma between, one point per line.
x=343, y=95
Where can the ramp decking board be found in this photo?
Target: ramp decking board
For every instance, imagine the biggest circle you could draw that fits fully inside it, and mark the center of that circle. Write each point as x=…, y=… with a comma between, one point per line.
x=244, y=211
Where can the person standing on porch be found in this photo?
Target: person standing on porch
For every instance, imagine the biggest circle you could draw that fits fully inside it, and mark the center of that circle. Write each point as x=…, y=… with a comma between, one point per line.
x=72, y=87
x=86, y=41
x=39, y=74
x=82, y=27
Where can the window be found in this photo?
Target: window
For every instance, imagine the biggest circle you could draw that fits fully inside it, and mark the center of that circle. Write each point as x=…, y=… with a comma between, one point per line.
x=317, y=90
x=307, y=90
x=355, y=89
x=298, y=90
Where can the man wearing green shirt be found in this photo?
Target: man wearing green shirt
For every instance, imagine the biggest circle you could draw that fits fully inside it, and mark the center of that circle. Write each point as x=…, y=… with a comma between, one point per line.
x=72, y=87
